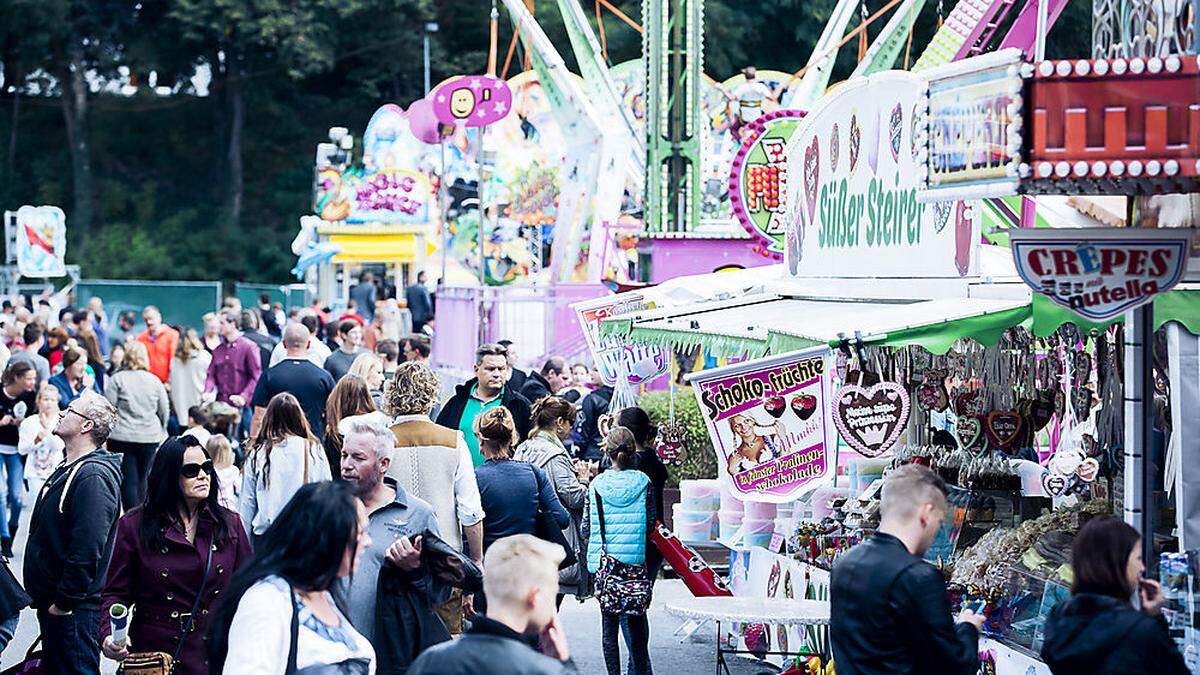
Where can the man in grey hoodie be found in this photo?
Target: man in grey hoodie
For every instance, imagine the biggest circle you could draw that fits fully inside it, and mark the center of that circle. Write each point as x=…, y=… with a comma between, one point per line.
x=71, y=537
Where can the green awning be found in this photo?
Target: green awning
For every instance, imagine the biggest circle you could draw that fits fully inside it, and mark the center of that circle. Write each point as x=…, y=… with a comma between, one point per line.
x=728, y=346
x=1180, y=305
x=939, y=337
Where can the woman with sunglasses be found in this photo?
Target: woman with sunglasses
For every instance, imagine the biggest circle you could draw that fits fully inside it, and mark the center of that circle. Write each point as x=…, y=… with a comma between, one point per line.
x=161, y=559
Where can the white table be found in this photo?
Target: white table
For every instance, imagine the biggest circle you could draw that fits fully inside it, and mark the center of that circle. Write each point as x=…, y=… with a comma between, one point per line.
x=773, y=611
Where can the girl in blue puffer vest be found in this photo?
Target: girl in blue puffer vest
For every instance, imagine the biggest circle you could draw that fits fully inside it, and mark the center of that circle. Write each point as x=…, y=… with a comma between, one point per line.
x=626, y=497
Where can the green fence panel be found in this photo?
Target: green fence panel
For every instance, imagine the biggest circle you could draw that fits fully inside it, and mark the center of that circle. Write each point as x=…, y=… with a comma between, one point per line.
x=291, y=295
x=181, y=302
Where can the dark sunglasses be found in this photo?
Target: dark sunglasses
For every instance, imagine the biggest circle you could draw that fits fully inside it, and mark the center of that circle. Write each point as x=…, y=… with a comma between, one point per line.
x=192, y=470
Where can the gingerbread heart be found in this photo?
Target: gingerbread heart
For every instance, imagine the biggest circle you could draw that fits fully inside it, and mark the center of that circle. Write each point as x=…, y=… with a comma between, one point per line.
x=895, y=128
x=1004, y=427
x=968, y=403
x=932, y=391
x=969, y=431
x=812, y=177
x=855, y=141
x=871, y=418
x=1054, y=484
x=1088, y=469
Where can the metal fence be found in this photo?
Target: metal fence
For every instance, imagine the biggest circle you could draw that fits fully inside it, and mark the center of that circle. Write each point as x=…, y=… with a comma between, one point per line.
x=181, y=302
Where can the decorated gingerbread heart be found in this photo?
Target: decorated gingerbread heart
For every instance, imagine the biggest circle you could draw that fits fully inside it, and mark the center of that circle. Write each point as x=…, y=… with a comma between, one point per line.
x=968, y=430
x=812, y=177
x=835, y=150
x=1004, y=427
x=855, y=141
x=871, y=418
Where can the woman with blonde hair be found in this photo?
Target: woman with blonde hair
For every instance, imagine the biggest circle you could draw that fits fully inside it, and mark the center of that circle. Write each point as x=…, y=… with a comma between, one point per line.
x=283, y=456
x=511, y=492
x=142, y=408
x=36, y=440
x=369, y=366
x=189, y=368
x=349, y=397
x=212, y=332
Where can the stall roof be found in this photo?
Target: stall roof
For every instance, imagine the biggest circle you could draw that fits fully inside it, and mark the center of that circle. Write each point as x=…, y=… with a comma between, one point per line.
x=771, y=324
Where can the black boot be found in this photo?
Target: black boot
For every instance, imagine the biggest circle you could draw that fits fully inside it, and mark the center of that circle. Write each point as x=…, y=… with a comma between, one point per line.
x=6, y=547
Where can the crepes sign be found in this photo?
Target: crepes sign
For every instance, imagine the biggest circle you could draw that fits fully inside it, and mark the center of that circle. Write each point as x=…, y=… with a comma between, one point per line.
x=1100, y=273
x=769, y=421
x=615, y=357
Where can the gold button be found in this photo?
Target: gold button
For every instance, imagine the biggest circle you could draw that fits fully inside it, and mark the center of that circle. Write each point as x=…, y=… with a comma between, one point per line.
x=175, y=614
x=170, y=596
x=220, y=570
x=164, y=574
x=164, y=550
x=204, y=612
x=217, y=592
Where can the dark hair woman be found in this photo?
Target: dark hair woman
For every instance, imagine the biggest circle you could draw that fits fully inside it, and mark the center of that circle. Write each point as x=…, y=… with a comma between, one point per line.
x=1098, y=631
x=161, y=558
x=283, y=456
x=619, y=524
x=350, y=396
x=511, y=492
x=316, y=540
x=646, y=460
x=553, y=420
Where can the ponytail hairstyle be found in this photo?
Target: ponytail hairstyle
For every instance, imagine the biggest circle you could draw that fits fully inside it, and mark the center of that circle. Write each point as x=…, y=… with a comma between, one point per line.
x=496, y=433
x=638, y=423
x=621, y=447
x=550, y=409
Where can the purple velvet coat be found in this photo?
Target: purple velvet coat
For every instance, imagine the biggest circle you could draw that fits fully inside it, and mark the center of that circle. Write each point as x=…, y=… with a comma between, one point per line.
x=162, y=585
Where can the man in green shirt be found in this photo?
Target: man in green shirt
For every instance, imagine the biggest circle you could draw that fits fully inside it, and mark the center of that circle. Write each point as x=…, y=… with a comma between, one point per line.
x=487, y=389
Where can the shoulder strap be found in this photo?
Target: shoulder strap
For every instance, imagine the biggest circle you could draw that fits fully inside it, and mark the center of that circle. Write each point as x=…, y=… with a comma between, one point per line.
x=190, y=624
x=600, y=515
x=295, y=632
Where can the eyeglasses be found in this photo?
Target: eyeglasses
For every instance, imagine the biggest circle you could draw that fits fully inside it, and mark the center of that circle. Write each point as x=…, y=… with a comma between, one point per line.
x=68, y=410
x=192, y=470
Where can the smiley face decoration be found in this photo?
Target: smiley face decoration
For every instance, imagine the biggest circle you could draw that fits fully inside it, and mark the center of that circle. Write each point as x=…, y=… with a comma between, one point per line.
x=472, y=100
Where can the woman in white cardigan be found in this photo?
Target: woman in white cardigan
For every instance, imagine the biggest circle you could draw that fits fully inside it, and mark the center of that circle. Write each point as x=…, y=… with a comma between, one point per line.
x=283, y=456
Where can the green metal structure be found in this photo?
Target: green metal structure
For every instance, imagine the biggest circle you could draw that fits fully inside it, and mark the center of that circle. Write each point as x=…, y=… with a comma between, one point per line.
x=673, y=57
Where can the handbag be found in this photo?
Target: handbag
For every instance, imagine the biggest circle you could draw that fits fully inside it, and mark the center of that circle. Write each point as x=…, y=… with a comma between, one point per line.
x=621, y=588
x=448, y=565
x=547, y=529
x=162, y=663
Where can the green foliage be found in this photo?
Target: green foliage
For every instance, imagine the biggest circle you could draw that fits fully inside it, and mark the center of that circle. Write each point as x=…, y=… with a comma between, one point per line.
x=700, y=460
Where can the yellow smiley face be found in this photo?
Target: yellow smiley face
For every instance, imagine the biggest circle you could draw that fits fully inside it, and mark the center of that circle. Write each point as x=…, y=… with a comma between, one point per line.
x=462, y=102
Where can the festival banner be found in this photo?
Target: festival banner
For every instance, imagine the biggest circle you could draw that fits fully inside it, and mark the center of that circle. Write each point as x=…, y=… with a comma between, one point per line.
x=387, y=196
x=973, y=127
x=41, y=241
x=855, y=168
x=614, y=356
x=758, y=179
x=1099, y=273
x=770, y=423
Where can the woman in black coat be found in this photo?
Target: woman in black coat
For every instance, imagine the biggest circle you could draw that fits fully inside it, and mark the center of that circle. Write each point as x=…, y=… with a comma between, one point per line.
x=1098, y=631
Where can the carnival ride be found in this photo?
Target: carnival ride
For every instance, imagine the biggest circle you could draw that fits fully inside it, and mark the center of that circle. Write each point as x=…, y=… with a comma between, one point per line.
x=596, y=172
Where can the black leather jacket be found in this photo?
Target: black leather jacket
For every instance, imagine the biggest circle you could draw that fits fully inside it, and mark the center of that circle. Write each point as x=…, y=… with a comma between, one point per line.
x=890, y=614
x=488, y=647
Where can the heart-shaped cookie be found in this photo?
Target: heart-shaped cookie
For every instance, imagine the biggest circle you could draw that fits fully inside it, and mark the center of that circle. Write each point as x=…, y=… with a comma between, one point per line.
x=804, y=406
x=895, y=129
x=1054, y=484
x=969, y=431
x=871, y=418
x=1004, y=427
x=968, y=402
x=855, y=141
x=812, y=177
x=1088, y=469
x=932, y=391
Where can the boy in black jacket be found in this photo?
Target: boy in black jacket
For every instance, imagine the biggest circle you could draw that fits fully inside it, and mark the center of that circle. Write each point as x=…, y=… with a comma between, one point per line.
x=71, y=536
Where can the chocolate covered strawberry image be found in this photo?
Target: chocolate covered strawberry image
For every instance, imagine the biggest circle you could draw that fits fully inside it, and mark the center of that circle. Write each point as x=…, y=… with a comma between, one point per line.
x=775, y=406
x=804, y=406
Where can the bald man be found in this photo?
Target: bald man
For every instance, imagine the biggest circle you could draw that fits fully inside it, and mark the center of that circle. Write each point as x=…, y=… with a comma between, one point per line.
x=297, y=375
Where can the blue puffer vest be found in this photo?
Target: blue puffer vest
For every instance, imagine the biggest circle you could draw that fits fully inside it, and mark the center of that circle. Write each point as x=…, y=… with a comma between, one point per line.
x=624, y=494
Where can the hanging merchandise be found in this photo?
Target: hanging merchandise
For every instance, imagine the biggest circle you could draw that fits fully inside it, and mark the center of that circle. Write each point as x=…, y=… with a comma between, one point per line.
x=870, y=418
x=1004, y=428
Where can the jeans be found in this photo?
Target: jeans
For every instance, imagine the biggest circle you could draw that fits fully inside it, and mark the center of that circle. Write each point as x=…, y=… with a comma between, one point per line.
x=70, y=642
x=14, y=488
x=638, y=640
x=243, y=431
x=135, y=467
x=8, y=629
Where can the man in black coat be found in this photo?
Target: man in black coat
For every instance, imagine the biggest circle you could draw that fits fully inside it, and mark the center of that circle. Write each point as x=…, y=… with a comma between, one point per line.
x=553, y=378
x=587, y=435
x=71, y=537
x=420, y=303
x=889, y=610
x=488, y=389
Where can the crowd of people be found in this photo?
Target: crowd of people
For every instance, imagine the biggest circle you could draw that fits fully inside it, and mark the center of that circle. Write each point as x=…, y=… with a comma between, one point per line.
x=271, y=494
